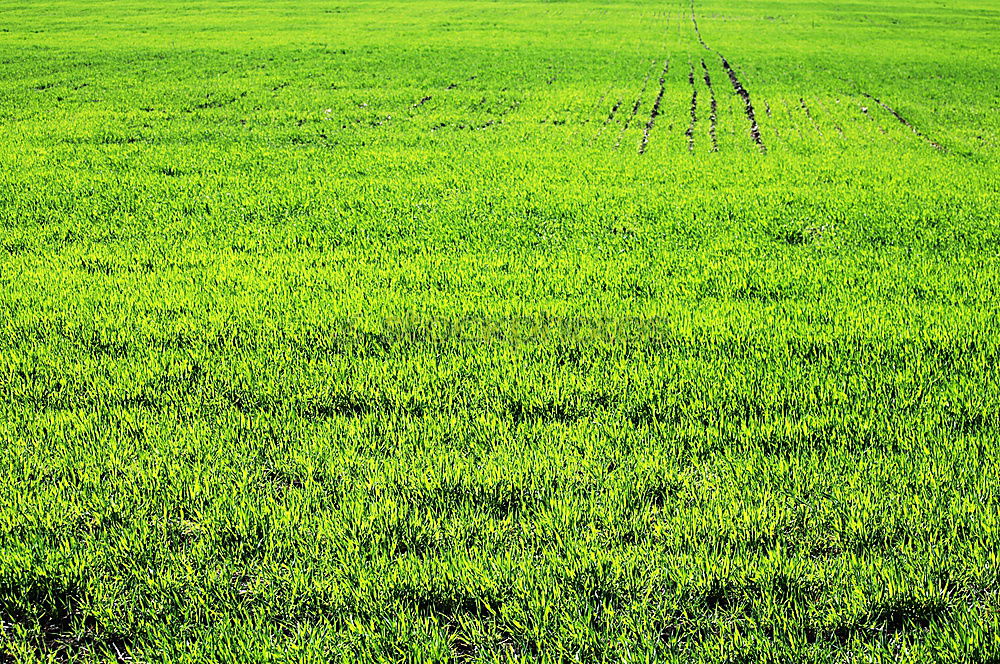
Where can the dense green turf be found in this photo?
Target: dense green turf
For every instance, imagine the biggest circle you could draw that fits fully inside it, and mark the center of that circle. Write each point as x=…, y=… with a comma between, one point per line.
x=364, y=330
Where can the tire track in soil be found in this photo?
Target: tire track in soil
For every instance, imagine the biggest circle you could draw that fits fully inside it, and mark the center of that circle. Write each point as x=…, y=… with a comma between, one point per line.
x=697, y=32
x=636, y=105
x=805, y=109
x=893, y=112
x=905, y=122
x=656, y=107
x=611, y=114
x=713, y=107
x=694, y=108
x=607, y=120
x=499, y=116
x=738, y=86
x=745, y=94
x=453, y=85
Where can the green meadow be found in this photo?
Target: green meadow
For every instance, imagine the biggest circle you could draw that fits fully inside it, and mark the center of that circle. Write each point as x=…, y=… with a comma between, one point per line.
x=500, y=331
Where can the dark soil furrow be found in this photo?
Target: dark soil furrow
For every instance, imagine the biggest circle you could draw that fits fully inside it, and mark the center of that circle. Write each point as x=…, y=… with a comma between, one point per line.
x=713, y=107
x=635, y=106
x=737, y=85
x=694, y=109
x=745, y=94
x=656, y=107
x=893, y=112
x=805, y=109
x=607, y=120
x=697, y=32
x=904, y=121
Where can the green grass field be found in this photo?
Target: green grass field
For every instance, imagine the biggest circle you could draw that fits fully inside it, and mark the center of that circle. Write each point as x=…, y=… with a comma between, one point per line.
x=623, y=331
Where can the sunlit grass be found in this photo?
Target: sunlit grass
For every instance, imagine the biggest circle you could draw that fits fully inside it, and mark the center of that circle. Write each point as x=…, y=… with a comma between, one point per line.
x=362, y=331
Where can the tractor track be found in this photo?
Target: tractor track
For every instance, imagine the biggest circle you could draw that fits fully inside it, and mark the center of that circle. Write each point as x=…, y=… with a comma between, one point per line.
x=607, y=120
x=656, y=107
x=893, y=112
x=906, y=123
x=552, y=75
x=745, y=94
x=694, y=109
x=713, y=114
x=805, y=109
x=697, y=32
x=635, y=106
x=738, y=86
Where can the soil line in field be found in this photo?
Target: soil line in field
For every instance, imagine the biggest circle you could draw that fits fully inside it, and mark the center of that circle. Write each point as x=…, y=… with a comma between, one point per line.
x=893, y=112
x=867, y=114
x=738, y=86
x=697, y=32
x=635, y=106
x=694, y=108
x=745, y=94
x=805, y=109
x=656, y=107
x=904, y=121
x=607, y=120
x=713, y=108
